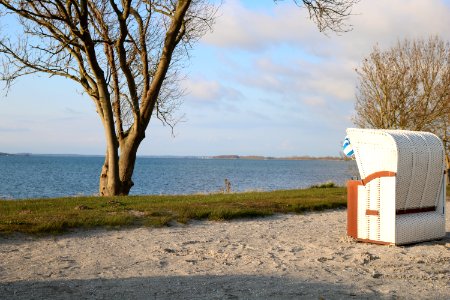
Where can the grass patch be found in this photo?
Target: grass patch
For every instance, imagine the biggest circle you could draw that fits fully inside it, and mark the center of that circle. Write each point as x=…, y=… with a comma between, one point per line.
x=43, y=216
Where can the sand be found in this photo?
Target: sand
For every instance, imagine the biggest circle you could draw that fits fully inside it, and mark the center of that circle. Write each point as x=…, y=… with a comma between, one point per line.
x=281, y=257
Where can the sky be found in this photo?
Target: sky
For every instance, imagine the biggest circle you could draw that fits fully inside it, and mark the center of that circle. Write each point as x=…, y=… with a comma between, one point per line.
x=264, y=82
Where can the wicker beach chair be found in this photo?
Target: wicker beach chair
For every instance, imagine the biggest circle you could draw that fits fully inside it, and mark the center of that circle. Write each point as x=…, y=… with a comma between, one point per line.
x=400, y=198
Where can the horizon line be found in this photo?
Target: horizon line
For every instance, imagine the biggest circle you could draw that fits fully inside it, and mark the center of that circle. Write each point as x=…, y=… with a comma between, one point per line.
x=220, y=156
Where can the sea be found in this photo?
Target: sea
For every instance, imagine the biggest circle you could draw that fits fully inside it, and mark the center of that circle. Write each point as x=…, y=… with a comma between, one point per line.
x=41, y=176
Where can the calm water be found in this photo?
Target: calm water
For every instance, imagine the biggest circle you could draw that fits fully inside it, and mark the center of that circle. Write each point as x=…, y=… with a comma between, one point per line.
x=50, y=176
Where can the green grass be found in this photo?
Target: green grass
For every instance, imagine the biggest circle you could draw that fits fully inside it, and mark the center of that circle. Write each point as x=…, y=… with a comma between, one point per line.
x=43, y=216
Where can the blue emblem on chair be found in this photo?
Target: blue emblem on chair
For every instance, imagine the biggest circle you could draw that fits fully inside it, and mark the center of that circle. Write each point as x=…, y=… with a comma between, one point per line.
x=347, y=148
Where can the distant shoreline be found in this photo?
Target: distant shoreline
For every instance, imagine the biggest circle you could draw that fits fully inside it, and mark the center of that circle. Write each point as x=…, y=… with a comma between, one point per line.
x=15, y=154
x=230, y=157
x=255, y=157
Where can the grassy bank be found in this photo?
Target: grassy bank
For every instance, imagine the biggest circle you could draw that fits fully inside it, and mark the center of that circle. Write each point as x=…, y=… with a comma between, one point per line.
x=59, y=215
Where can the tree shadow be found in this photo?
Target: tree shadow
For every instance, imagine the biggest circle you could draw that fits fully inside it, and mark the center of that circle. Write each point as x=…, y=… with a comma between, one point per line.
x=184, y=287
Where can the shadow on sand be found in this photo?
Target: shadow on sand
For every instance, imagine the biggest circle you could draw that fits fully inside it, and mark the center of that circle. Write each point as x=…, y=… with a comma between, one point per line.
x=183, y=287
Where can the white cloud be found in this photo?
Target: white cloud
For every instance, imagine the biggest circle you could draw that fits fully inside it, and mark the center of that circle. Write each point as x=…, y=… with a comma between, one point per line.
x=317, y=70
x=385, y=21
x=202, y=90
x=209, y=91
x=314, y=101
x=382, y=21
x=240, y=27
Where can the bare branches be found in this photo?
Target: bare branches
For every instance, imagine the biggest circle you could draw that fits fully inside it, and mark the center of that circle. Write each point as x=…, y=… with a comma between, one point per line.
x=329, y=14
x=18, y=63
x=117, y=50
x=406, y=87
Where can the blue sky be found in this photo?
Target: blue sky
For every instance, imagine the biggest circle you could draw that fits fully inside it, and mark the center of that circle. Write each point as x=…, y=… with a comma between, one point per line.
x=265, y=82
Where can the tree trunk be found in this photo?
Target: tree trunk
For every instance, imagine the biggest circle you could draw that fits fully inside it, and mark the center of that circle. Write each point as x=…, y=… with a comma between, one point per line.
x=125, y=161
x=121, y=187
x=103, y=186
x=109, y=184
x=126, y=166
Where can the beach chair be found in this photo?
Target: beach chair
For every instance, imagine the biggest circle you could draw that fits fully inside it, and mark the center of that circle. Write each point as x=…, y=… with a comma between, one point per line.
x=400, y=198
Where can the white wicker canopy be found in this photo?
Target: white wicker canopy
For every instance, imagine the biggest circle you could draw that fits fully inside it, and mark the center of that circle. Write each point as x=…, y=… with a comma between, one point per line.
x=401, y=195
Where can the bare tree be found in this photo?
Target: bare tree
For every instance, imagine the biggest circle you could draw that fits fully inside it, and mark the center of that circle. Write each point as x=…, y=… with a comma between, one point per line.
x=127, y=56
x=124, y=55
x=406, y=87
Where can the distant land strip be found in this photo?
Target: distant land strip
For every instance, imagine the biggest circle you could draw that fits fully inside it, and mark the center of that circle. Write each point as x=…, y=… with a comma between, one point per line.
x=256, y=157
x=249, y=157
x=15, y=154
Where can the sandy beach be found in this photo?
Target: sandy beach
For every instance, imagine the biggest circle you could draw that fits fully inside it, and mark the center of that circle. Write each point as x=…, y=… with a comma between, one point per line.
x=281, y=257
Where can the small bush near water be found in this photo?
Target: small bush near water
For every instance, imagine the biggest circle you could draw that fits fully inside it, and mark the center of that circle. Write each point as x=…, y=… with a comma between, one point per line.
x=325, y=185
x=41, y=216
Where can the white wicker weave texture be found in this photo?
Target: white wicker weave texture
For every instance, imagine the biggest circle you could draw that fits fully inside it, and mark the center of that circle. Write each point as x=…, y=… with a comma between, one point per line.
x=403, y=202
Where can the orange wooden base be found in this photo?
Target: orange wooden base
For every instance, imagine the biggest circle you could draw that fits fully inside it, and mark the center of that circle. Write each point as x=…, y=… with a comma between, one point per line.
x=352, y=207
x=352, y=203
